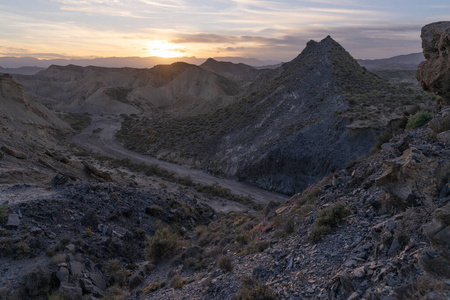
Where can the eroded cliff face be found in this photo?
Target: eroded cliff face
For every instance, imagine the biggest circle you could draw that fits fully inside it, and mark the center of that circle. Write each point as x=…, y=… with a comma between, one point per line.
x=434, y=73
x=24, y=118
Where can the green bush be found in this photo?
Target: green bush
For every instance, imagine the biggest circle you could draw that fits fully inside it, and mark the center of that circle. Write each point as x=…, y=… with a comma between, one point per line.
x=333, y=215
x=162, y=245
x=418, y=119
x=327, y=219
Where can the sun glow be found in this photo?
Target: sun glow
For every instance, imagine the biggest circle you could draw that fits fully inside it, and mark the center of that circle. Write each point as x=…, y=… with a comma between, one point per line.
x=165, y=49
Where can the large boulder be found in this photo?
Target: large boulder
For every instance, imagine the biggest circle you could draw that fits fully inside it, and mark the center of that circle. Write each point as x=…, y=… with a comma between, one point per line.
x=434, y=73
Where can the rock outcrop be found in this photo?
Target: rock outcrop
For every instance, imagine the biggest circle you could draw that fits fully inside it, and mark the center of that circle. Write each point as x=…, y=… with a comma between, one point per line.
x=434, y=73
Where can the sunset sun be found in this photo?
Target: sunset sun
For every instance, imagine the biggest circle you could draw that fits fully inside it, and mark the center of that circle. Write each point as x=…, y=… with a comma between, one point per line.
x=165, y=49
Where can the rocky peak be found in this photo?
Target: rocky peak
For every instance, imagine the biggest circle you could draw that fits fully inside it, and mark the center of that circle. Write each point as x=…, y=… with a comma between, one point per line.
x=326, y=57
x=434, y=73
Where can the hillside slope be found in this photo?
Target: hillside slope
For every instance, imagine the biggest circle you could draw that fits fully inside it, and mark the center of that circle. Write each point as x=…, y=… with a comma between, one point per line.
x=25, y=117
x=297, y=123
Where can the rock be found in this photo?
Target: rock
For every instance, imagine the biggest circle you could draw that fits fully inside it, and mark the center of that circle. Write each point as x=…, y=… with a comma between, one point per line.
x=60, y=179
x=359, y=272
x=13, y=221
x=270, y=207
x=444, y=137
x=98, y=281
x=87, y=285
x=434, y=73
x=70, y=291
x=76, y=268
x=70, y=247
x=63, y=274
x=395, y=246
x=434, y=263
x=350, y=263
x=135, y=281
x=386, y=147
x=353, y=296
x=94, y=172
x=390, y=225
x=37, y=281
x=14, y=152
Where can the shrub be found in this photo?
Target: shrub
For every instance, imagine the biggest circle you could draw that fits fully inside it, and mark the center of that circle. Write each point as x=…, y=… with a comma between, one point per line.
x=120, y=277
x=154, y=286
x=163, y=244
x=418, y=119
x=333, y=215
x=178, y=282
x=225, y=263
x=154, y=210
x=317, y=233
x=289, y=226
x=252, y=289
x=328, y=218
x=5, y=210
x=384, y=137
x=65, y=241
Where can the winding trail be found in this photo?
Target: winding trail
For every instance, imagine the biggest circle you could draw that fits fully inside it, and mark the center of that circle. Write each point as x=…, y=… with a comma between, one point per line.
x=104, y=142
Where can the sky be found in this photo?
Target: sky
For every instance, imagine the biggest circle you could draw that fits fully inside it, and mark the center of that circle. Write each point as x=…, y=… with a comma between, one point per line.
x=266, y=30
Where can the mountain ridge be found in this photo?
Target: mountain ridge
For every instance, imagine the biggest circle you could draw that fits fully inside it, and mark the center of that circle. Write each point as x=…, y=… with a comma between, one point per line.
x=172, y=88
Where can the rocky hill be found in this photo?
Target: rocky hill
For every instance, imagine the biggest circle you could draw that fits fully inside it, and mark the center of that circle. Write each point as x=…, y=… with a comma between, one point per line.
x=296, y=124
x=176, y=88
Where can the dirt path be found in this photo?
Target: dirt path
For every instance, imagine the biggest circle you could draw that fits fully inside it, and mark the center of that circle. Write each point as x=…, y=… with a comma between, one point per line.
x=104, y=142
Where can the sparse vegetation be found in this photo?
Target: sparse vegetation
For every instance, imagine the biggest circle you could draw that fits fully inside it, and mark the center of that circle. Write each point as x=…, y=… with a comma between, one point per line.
x=162, y=245
x=327, y=219
x=5, y=210
x=154, y=286
x=119, y=93
x=225, y=263
x=77, y=121
x=252, y=289
x=418, y=119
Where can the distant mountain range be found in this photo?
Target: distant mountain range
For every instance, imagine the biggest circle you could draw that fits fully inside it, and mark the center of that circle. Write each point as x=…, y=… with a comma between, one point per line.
x=31, y=65
x=119, y=62
x=400, y=62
